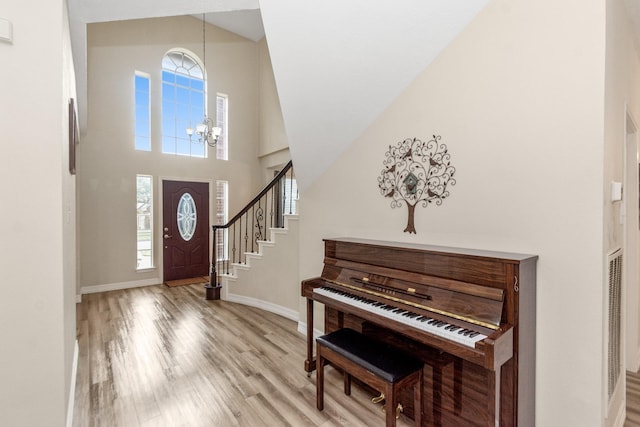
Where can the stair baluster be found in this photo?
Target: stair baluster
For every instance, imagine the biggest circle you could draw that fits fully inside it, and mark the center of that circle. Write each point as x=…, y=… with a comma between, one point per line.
x=275, y=198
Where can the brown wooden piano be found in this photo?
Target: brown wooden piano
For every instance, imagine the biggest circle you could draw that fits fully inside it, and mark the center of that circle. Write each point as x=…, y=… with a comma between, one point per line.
x=468, y=314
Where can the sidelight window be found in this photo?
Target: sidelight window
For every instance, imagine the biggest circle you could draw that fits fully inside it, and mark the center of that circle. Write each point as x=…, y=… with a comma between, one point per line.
x=143, y=112
x=222, y=118
x=222, y=202
x=144, y=206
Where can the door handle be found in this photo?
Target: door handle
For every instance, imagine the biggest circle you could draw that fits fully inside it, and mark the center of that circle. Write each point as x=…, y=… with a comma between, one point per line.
x=166, y=236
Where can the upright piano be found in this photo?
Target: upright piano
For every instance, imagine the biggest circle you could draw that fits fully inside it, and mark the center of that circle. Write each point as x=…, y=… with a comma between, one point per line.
x=468, y=314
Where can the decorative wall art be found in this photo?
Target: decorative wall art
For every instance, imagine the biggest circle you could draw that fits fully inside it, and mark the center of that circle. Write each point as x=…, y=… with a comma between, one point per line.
x=415, y=172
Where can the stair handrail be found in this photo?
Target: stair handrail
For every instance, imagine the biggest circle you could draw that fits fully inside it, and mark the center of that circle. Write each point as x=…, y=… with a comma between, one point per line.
x=213, y=288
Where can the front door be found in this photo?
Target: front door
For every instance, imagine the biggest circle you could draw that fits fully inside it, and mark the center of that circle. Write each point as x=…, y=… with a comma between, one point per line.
x=185, y=229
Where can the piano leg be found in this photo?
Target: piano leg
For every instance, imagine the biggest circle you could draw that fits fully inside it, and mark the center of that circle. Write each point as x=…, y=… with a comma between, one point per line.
x=493, y=397
x=320, y=385
x=310, y=363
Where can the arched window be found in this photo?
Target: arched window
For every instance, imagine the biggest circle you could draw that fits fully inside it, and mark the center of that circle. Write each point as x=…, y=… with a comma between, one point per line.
x=183, y=103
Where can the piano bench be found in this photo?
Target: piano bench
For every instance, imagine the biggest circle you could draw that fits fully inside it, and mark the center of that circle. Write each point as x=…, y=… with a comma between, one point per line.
x=377, y=364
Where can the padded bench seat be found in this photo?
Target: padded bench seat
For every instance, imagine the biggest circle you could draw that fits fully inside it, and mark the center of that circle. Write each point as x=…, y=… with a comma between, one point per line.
x=375, y=363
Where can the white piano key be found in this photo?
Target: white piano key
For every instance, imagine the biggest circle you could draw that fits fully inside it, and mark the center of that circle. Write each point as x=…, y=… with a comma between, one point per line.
x=433, y=326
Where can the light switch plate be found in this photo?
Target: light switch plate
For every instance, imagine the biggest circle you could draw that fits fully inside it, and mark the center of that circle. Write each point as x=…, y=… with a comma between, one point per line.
x=6, y=31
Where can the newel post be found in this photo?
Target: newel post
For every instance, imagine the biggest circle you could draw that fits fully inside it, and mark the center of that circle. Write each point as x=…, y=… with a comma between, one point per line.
x=212, y=289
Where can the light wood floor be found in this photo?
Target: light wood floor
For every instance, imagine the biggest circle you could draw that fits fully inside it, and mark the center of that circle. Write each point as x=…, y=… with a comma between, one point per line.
x=160, y=356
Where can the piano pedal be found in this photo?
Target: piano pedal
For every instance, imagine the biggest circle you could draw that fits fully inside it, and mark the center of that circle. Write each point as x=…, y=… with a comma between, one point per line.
x=399, y=410
x=378, y=399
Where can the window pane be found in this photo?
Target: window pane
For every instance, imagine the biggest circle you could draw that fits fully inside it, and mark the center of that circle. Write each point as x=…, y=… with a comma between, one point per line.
x=168, y=93
x=142, y=83
x=222, y=104
x=187, y=216
x=197, y=101
x=144, y=207
x=183, y=104
x=290, y=196
x=168, y=145
x=182, y=80
x=168, y=76
x=197, y=84
x=142, y=142
x=198, y=150
x=182, y=96
x=168, y=128
x=141, y=131
x=142, y=127
x=142, y=98
x=183, y=147
x=222, y=191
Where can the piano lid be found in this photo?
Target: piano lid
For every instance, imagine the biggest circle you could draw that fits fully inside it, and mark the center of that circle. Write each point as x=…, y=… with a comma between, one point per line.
x=485, y=268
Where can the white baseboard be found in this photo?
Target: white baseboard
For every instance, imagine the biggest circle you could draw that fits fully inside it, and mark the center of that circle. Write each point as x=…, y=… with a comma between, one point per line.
x=78, y=298
x=72, y=387
x=119, y=286
x=263, y=305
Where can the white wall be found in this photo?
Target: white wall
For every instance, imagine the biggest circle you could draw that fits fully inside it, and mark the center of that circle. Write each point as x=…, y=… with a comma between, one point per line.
x=37, y=309
x=108, y=162
x=518, y=99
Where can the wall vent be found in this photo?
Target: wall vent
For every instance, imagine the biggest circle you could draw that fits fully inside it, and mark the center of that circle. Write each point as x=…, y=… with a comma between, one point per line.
x=615, y=303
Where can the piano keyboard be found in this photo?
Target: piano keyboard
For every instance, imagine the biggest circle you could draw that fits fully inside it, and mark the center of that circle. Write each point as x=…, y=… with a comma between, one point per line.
x=440, y=328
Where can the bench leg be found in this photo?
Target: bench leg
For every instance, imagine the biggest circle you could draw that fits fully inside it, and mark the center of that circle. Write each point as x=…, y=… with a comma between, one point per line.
x=391, y=404
x=320, y=382
x=347, y=383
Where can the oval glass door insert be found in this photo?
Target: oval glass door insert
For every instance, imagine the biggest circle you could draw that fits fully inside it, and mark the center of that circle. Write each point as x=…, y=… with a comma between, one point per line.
x=187, y=216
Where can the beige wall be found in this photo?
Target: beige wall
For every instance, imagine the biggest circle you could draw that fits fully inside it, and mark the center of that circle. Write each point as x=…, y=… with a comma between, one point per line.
x=622, y=101
x=518, y=99
x=273, y=137
x=37, y=310
x=108, y=162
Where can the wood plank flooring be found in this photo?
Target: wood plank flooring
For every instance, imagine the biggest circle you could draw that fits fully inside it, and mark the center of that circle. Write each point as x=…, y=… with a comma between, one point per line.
x=161, y=356
x=633, y=400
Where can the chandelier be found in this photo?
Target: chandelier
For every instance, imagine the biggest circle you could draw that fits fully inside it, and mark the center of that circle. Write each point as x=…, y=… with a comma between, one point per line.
x=205, y=131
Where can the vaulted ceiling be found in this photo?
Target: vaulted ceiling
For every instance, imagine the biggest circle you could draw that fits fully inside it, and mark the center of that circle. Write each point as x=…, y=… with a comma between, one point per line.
x=338, y=64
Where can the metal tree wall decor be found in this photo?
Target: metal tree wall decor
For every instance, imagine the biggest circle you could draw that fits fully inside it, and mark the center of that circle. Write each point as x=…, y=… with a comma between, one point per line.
x=415, y=172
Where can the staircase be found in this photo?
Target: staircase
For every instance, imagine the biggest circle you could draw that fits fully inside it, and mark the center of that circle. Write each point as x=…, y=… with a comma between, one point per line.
x=256, y=252
x=269, y=277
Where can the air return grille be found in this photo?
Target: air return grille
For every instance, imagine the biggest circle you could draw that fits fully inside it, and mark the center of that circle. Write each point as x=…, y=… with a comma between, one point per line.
x=615, y=290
